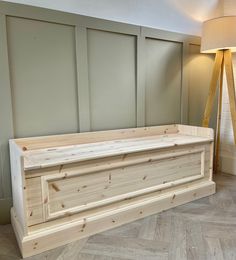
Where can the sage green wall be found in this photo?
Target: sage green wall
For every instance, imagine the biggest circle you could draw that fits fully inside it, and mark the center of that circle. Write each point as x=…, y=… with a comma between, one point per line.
x=199, y=78
x=163, y=69
x=112, y=83
x=64, y=73
x=43, y=77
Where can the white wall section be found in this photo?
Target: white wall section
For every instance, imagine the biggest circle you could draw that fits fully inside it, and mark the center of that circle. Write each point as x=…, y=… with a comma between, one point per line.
x=227, y=147
x=183, y=16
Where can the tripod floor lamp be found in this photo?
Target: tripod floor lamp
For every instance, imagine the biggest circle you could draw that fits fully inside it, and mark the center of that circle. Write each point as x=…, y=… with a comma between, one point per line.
x=219, y=36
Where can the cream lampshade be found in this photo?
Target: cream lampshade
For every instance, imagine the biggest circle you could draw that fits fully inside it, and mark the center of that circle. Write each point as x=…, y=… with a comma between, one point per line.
x=218, y=34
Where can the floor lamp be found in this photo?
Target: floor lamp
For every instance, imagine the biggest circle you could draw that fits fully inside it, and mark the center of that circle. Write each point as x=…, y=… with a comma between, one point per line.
x=219, y=36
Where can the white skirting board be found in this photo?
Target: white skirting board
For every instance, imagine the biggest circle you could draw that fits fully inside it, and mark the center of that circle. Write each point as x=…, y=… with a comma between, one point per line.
x=228, y=165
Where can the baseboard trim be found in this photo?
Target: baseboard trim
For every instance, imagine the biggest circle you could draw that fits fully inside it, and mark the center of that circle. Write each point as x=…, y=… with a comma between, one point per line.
x=5, y=207
x=42, y=240
x=228, y=165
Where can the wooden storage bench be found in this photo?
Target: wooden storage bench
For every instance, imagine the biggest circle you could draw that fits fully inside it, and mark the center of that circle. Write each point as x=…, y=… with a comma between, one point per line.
x=66, y=187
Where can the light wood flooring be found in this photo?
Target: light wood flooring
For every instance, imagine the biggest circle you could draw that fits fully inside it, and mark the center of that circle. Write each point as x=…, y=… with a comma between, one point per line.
x=203, y=229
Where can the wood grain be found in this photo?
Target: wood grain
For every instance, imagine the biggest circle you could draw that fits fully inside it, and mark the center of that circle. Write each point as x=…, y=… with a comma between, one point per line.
x=217, y=136
x=72, y=190
x=213, y=87
x=200, y=223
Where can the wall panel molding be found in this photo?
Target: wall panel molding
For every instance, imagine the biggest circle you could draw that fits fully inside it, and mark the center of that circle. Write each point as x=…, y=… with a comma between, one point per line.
x=112, y=79
x=185, y=41
x=140, y=77
x=128, y=59
x=6, y=117
x=199, y=71
x=163, y=81
x=43, y=77
x=185, y=80
x=82, y=79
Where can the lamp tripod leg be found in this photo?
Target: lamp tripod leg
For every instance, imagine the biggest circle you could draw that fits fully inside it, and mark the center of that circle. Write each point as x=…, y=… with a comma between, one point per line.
x=213, y=87
x=231, y=88
x=217, y=138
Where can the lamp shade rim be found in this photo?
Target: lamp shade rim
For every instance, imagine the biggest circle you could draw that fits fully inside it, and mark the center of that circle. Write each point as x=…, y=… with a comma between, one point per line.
x=219, y=34
x=219, y=17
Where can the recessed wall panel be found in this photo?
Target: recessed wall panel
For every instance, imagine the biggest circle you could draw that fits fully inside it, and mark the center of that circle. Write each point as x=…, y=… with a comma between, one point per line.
x=111, y=69
x=43, y=77
x=200, y=70
x=163, y=82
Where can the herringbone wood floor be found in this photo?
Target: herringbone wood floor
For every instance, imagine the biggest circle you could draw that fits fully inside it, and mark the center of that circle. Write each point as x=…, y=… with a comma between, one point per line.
x=203, y=229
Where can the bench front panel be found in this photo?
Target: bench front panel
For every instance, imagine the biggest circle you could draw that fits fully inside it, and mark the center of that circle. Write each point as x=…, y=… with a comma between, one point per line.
x=76, y=188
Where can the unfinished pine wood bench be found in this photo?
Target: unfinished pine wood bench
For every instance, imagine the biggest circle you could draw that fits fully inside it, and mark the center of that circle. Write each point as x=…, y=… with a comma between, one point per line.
x=66, y=187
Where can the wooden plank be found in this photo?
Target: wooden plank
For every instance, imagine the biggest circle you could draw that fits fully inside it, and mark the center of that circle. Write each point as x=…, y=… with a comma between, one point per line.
x=18, y=186
x=231, y=88
x=213, y=87
x=196, y=131
x=69, y=173
x=92, y=168
x=112, y=162
x=93, y=190
x=64, y=155
x=115, y=174
x=17, y=227
x=69, y=218
x=92, y=137
x=34, y=205
x=217, y=138
x=46, y=239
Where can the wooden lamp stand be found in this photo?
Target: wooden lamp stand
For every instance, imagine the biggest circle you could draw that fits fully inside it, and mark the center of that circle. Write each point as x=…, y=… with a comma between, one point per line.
x=223, y=59
x=219, y=36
